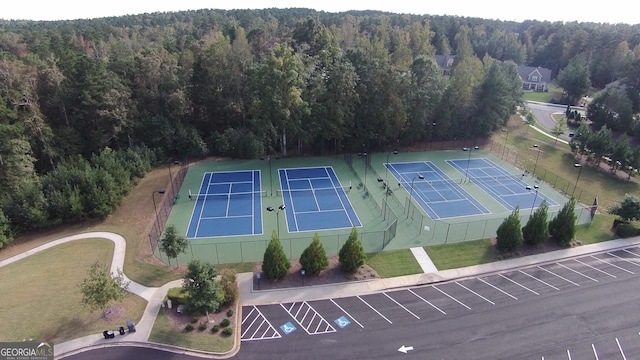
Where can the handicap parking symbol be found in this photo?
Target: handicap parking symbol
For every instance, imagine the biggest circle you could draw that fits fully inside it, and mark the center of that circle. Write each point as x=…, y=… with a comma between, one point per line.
x=288, y=328
x=342, y=322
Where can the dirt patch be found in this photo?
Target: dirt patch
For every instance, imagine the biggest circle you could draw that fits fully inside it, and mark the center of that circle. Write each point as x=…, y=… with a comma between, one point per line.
x=113, y=313
x=331, y=275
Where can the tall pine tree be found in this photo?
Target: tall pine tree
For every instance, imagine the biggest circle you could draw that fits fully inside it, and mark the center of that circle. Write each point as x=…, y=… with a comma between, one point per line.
x=275, y=264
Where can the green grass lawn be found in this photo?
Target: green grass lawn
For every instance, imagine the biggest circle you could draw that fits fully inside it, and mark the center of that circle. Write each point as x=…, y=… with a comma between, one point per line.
x=41, y=299
x=164, y=332
x=394, y=263
x=452, y=256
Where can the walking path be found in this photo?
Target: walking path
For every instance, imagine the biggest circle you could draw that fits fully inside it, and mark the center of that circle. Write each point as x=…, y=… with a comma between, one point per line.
x=250, y=296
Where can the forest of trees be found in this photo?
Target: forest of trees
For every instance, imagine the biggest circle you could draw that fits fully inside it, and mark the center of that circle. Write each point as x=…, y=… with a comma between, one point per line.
x=78, y=97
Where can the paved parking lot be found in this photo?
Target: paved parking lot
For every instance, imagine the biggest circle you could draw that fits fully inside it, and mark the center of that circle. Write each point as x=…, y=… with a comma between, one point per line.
x=455, y=299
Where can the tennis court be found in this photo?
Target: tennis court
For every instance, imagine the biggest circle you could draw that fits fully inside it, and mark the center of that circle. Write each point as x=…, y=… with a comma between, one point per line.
x=315, y=200
x=227, y=204
x=508, y=189
x=437, y=194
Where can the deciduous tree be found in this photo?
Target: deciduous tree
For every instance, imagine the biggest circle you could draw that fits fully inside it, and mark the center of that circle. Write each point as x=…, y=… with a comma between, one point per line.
x=102, y=288
x=205, y=293
x=172, y=243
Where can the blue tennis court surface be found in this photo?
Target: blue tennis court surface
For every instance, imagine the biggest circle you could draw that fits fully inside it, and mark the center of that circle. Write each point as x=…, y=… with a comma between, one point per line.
x=437, y=194
x=508, y=189
x=315, y=200
x=227, y=204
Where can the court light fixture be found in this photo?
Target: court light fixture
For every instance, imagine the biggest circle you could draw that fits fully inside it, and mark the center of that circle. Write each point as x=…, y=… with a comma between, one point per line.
x=280, y=208
x=419, y=176
x=535, y=187
x=155, y=208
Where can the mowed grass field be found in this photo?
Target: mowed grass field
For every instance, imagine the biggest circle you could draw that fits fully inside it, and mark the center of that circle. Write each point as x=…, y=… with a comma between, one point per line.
x=41, y=299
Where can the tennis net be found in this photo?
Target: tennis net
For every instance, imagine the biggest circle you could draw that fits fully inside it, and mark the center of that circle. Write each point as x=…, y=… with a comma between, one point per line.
x=504, y=179
x=312, y=191
x=440, y=183
x=227, y=195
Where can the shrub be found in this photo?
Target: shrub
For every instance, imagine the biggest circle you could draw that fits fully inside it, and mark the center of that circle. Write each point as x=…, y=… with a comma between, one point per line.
x=177, y=296
x=626, y=230
x=215, y=328
x=225, y=323
x=227, y=331
x=195, y=319
x=189, y=327
x=229, y=313
x=314, y=258
x=229, y=286
x=202, y=327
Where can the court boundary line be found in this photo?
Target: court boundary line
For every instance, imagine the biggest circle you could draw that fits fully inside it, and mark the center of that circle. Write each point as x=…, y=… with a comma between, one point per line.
x=254, y=183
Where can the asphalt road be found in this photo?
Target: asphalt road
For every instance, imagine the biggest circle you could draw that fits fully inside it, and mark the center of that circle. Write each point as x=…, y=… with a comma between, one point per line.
x=584, y=308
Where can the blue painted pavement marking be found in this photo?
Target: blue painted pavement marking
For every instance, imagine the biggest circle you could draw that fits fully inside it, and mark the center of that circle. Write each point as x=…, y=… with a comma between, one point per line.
x=342, y=322
x=288, y=328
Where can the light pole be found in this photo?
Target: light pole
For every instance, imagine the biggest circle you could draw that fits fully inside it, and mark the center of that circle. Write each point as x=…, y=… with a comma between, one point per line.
x=386, y=184
x=280, y=208
x=578, y=165
x=270, y=176
x=433, y=129
x=466, y=173
x=364, y=157
x=537, y=157
x=535, y=187
x=155, y=208
x=505, y=142
x=419, y=176
x=173, y=190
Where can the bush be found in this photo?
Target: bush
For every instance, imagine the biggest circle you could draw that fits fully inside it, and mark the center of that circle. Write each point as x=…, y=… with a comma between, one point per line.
x=229, y=286
x=626, y=230
x=202, y=327
x=225, y=323
x=215, y=328
x=195, y=319
x=189, y=327
x=229, y=313
x=177, y=296
x=227, y=331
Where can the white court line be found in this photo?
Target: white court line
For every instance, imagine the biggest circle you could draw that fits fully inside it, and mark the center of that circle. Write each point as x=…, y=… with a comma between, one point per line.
x=620, y=348
x=615, y=266
x=502, y=291
x=348, y=314
x=402, y=306
x=522, y=286
x=535, y=278
x=561, y=277
x=577, y=272
x=595, y=353
x=475, y=293
x=568, y=354
x=451, y=297
x=624, y=259
x=372, y=308
x=428, y=302
x=594, y=268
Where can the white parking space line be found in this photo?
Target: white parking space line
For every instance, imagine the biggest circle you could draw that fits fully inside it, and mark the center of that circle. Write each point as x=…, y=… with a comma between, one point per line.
x=577, y=272
x=374, y=309
x=630, y=261
x=502, y=291
x=595, y=353
x=620, y=348
x=451, y=297
x=631, y=252
x=348, y=314
x=428, y=302
x=568, y=354
x=522, y=286
x=594, y=268
x=269, y=328
x=535, y=278
x=402, y=306
x=305, y=323
x=614, y=265
x=561, y=277
x=475, y=293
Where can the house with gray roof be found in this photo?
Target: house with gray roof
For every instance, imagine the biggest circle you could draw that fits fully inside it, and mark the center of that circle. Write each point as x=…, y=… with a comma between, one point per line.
x=534, y=78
